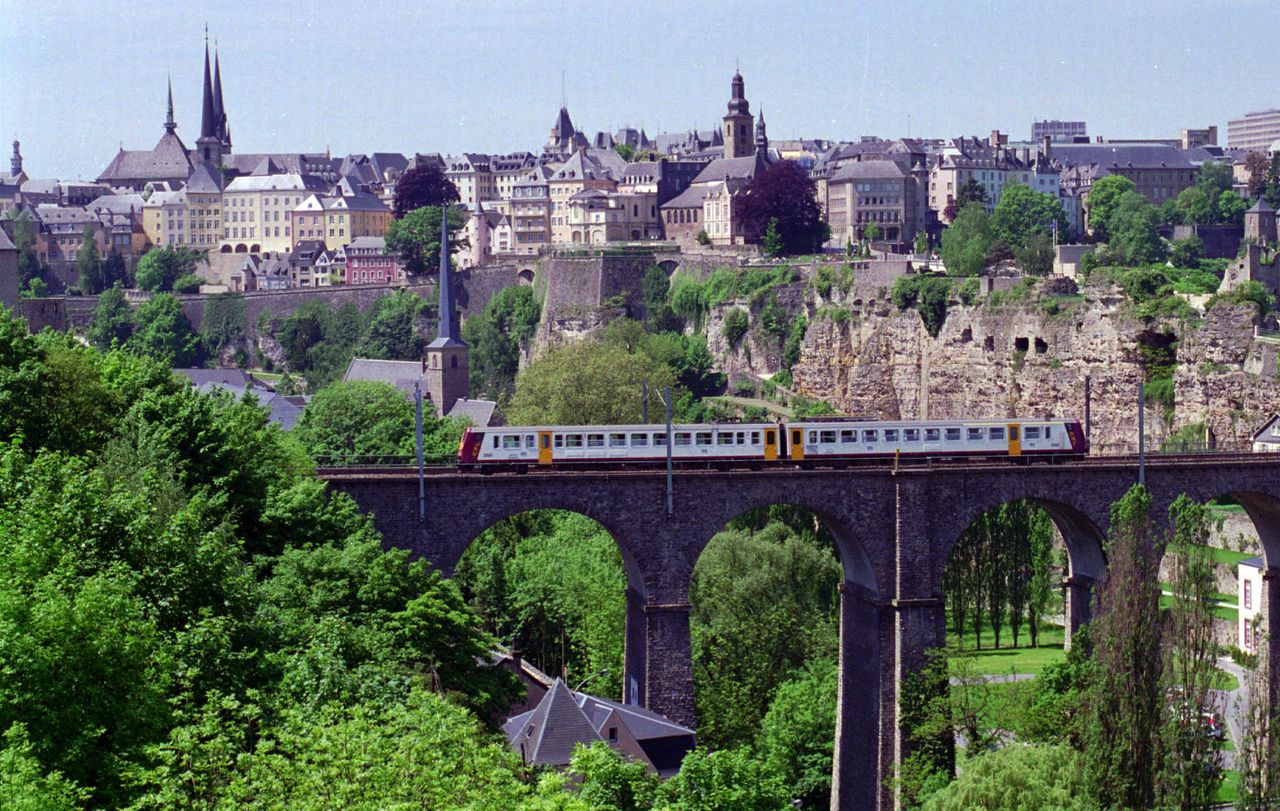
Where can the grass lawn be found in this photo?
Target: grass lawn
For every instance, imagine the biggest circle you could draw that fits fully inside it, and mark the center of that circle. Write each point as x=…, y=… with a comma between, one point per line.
x=1227, y=557
x=1007, y=706
x=1229, y=791
x=1223, y=612
x=1005, y=659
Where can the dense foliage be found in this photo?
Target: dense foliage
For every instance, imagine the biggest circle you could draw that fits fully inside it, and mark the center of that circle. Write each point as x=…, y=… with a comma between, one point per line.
x=783, y=200
x=416, y=237
x=423, y=186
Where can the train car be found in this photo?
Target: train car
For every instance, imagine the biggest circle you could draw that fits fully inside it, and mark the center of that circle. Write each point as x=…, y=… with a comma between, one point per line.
x=619, y=444
x=831, y=440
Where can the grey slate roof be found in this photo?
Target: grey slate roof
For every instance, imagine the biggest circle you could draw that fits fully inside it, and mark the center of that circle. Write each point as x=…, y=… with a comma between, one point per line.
x=226, y=377
x=478, y=412
x=691, y=197
x=202, y=180
x=402, y=374
x=1253, y=562
x=550, y=731
x=1260, y=207
x=1121, y=156
x=281, y=410
x=870, y=170
x=732, y=168
x=5, y=243
x=168, y=160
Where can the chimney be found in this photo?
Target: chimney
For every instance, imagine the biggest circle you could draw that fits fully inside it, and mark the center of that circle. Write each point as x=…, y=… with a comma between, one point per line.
x=1045, y=145
x=994, y=139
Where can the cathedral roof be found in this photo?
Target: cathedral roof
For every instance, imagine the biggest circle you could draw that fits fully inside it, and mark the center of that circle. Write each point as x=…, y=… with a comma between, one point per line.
x=169, y=160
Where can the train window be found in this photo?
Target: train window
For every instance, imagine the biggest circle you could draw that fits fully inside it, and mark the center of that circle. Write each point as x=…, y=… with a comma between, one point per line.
x=684, y=438
x=953, y=434
x=796, y=437
x=813, y=437
x=1013, y=433
x=573, y=440
x=660, y=440
x=702, y=438
x=529, y=442
x=546, y=441
x=769, y=438
x=1032, y=432
x=559, y=440
x=595, y=440
x=973, y=434
x=891, y=435
x=742, y=437
x=870, y=436
x=848, y=436
x=996, y=433
x=1048, y=432
x=639, y=440
x=511, y=441
x=755, y=437
x=617, y=440
x=932, y=434
x=724, y=438
x=910, y=434
x=827, y=437
x=495, y=441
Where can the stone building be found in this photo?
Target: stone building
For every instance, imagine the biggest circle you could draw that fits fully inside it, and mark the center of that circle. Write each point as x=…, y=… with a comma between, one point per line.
x=530, y=211
x=257, y=209
x=991, y=165
x=369, y=263
x=168, y=161
x=334, y=218
x=1260, y=223
x=883, y=192
x=8, y=272
x=1158, y=171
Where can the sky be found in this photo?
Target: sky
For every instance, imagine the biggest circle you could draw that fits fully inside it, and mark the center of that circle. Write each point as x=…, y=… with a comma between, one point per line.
x=80, y=79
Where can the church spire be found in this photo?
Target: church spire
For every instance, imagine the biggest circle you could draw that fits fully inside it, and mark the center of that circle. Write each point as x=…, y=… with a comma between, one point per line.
x=208, y=121
x=219, y=111
x=15, y=162
x=448, y=315
x=169, y=124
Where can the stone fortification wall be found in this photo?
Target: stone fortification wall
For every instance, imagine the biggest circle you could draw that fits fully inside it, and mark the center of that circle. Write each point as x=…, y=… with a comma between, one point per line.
x=475, y=287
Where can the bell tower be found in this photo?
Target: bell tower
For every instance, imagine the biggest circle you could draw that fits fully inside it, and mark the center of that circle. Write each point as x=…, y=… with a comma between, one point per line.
x=738, y=129
x=446, y=372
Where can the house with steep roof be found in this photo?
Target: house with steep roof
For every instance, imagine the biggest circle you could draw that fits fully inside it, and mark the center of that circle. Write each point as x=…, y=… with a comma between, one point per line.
x=338, y=219
x=369, y=263
x=712, y=195
x=257, y=209
x=579, y=173
x=547, y=734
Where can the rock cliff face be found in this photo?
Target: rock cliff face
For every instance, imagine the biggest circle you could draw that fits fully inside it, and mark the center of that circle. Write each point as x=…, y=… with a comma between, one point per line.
x=1018, y=361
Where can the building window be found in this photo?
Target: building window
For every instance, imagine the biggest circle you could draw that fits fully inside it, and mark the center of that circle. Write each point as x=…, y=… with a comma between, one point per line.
x=1248, y=594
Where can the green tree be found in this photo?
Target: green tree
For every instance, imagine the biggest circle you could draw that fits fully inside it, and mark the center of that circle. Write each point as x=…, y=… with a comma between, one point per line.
x=114, y=271
x=771, y=242
x=967, y=241
x=161, y=267
x=497, y=335
x=1215, y=177
x=736, y=323
x=25, y=786
x=608, y=780
x=583, y=384
x=1192, y=768
x=187, y=283
x=1103, y=201
x=164, y=332
x=416, y=237
x=89, y=263
x=1123, y=726
x=1023, y=213
x=24, y=231
x=1132, y=231
x=223, y=321
x=358, y=420
x=763, y=604
x=112, y=320
x=1231, y=207
x=872, y=232
x=1017, y=777
x=1186, y=253
x=1194, y=206
x=922, y=243
x=393, y=331
x=305, y=328
x=797, y=734
x=725, y=780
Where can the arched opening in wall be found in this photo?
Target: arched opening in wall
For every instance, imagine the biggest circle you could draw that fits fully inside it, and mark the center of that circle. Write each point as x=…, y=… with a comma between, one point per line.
x=551, y=586
x=765, y=613
x=525, y=276
x=1016, y=584
x=242, y=248
x=225, y=249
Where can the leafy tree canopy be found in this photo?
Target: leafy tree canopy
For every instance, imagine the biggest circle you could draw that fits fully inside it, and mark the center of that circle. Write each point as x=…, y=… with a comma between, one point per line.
x=164, y=332
x=420, y=187
x=160, y=268
x=416, y=237
x=784, y=193
x=585, y=383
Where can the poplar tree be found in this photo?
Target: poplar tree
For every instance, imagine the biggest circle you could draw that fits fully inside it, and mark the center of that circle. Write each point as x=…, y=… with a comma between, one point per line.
x=1123, y=704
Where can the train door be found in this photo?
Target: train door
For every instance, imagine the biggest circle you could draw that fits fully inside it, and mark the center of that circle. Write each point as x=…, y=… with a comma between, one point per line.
x=797, y=443
x=544, y=447
x=770, y=444
x=1015, y=439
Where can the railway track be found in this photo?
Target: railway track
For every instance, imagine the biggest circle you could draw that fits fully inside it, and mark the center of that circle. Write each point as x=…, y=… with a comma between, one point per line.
x=1154, y=461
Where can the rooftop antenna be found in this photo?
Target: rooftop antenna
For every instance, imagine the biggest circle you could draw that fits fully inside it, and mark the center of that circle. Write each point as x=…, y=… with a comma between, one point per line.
x=564, y=96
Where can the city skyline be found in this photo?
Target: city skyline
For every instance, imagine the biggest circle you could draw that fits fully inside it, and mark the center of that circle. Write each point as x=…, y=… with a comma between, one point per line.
x=489, y=78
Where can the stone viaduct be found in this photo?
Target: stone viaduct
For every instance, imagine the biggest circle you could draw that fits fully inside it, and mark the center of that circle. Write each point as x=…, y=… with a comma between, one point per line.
x=894, y=529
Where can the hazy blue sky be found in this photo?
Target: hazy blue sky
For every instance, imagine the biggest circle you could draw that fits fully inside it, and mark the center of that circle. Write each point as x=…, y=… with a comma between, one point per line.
x=77, y=79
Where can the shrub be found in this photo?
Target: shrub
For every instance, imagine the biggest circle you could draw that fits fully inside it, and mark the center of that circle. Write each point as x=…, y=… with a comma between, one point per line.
x=735, y=326
x=823, y=280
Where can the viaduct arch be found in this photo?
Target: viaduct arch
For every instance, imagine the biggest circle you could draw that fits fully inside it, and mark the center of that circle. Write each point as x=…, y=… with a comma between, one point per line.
x=894, y=530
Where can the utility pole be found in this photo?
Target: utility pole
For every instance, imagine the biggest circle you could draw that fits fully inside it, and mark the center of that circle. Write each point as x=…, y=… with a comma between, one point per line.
x=1088, y=403
x=422, y=480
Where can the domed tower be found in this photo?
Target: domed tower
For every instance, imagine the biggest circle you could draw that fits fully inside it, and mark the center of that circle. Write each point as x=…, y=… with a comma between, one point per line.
x=738, y=122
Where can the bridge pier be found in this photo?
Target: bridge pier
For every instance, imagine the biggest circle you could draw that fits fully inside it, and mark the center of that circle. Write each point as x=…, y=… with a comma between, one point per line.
x=634, y=656
x=668, y=667
x=865, y=698
x=1077, y=605
x=1270, y=608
